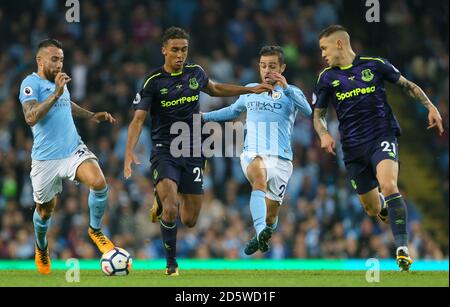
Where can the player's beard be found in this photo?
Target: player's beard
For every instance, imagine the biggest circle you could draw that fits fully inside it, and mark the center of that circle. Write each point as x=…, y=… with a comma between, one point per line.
x=272, y=82
x=50, y=75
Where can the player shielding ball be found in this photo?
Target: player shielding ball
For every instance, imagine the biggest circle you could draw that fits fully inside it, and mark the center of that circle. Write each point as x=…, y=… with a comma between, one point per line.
x=171, y=95
x=354, y=85
x=58, y=152
x=267, y=167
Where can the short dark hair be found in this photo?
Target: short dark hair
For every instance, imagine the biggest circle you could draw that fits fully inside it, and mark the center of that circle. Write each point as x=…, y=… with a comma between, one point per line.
x=331, y=30
x=174, y=33
x=273, y=50
x=49, y=42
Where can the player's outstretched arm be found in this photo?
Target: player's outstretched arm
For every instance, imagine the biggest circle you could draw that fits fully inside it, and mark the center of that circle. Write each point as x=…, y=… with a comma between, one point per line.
x=221, y=115
x=35, y=111
x=229, y=90
x=134, y=131
x=415, y=92
x=228, y=113
x=320, y=125
x=98, y=117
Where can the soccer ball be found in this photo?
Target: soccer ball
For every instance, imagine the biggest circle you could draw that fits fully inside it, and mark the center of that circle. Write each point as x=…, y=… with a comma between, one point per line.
x=116, y=262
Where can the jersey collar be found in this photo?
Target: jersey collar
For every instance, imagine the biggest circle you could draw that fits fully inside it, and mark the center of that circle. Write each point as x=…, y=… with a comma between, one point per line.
x=36, y=74
x=354, y=63
x=174, y=74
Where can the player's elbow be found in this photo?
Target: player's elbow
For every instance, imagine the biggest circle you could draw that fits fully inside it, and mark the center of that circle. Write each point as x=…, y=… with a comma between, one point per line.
x=214, y=91
x=306, y=110
x=139, y=118
x=31, y=121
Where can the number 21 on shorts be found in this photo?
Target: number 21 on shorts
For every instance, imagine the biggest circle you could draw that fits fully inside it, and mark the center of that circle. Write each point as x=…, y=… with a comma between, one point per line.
x=390, y=148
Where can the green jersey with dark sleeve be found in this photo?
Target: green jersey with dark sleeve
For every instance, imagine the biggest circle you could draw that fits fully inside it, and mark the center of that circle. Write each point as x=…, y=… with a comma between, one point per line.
x=358, y=94
x=172, y=98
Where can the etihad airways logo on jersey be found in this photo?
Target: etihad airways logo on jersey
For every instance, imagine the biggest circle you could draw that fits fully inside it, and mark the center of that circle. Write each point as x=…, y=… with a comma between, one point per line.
x=355, y=92
x=182, y=100
x=263, y=106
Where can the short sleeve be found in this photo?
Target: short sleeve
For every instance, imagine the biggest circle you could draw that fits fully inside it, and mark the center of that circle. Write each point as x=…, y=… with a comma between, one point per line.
x=144, y=98
x=29, y=90
x=321, y=94
x=389, y=72
x=203, y=78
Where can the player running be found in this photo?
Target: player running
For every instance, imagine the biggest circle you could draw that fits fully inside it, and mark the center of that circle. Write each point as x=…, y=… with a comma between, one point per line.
x=354, y=85
x=58, y=151
x=171, y=95
x=267, y=155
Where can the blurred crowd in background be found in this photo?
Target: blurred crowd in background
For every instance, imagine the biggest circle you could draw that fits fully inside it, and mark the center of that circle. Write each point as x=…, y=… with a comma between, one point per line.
x=117, y=44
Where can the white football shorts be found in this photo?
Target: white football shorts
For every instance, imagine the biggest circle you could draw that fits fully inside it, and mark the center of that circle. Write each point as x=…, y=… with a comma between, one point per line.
x=46, y=176
x=278, y=173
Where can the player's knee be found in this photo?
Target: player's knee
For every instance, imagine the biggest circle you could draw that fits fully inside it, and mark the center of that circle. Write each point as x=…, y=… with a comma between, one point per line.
x=388, y=187
x=189, y=222
x=46, y=212
x=259, y=183
x=170, y=211
x=168, y=200
x=99, y=183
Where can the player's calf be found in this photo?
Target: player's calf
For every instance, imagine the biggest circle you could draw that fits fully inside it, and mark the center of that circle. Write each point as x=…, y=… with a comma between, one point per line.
x=156, y=210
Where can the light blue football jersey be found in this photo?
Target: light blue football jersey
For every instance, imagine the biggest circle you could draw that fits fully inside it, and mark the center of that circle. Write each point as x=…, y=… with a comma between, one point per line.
x=270, y=119
x=55, y=135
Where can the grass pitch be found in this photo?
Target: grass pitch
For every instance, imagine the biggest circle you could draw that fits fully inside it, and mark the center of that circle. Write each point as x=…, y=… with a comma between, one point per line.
x=227, y=278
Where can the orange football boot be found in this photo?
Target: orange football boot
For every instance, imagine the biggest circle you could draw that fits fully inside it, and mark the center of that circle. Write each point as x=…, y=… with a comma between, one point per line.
x=42, y=260
x=103, y=243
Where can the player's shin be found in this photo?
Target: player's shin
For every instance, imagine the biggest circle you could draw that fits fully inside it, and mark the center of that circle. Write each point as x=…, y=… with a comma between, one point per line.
x=398, y=218
x=40, y=229
x=274, y=225
x=97, y=203
x=169, y=236
x=258, y=210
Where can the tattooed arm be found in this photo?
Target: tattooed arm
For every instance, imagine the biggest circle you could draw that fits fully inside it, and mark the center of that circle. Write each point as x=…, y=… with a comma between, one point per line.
x=320, y=125
x=415, y=92
x=35, y=111
x=78, y=111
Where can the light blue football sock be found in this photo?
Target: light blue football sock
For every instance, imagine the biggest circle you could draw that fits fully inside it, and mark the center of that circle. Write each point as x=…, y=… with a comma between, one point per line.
x=40, y=230
x=97, y=202
x=258, y=210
